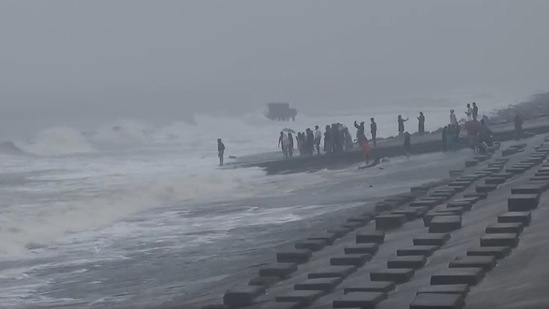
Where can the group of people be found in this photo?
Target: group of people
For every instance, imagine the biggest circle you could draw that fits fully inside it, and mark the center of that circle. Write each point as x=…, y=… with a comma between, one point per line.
x=336, y=138
x=479, y=135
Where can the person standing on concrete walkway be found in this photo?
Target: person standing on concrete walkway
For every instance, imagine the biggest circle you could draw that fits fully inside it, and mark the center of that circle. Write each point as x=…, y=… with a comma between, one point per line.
x=421, y=124
x=401, y=122
x=475, y=111
x=220, y=151
x=518, y=125
x=318, y=139
x=360, y=135
x=373, y=130
x=469, y=112
x=407, y=144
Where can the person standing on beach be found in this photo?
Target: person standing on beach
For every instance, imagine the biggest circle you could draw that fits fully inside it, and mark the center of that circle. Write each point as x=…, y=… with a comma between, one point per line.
x=401, y=122
x=475, y=111
x=453, y=119
x=318, y=139
x=373, y=130
x=421, y=124
x=220, y=151
x=407, y=144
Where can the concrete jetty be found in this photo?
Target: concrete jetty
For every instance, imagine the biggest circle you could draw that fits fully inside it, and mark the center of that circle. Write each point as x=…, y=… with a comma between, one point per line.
x=274, y=163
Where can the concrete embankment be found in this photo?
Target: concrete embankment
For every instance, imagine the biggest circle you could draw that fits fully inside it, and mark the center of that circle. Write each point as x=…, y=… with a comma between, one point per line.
x=435, y=247
x=386, y=148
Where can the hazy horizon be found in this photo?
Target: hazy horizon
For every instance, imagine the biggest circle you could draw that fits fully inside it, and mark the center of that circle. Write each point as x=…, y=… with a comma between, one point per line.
x=67, y=62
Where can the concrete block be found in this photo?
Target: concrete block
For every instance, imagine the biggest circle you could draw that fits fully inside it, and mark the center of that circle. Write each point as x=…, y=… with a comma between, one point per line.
x=485, y=188
x=370, y=249
x=471, y=163
x=397, y=276
x=508, y=152
x=333, y=272
x=329, y=238
x=351, y=226
x=523, y=202
x=428, y=217
x=417, y=250
x=493, y=169
x=466, y=206
x=279, y=270
x=503, y=175
x=497, y=252
x=264, y=281
x=515, y=170
x=444, y=224
x=389, y=222
x=482, y=158
x=375, y=237
x=242, y=296
x=470, y=276
x=339, y=232
x=460, y=185
x=539, y=178
x=516, y=216
x=498, y=228
x=350, y=260
x=173, y=305
x=365, y=300
x=459, y=289
x=297, y=256
x=484, y=262
x=430, y=203
x=411, y=213
x=499, y=240
x=476, y=197
x=455, y=173
x=438, y=239
x=531, y=188
x=495, y=180
x=384, y=206
x=286, y=305
x=310, y=244
x=438, y=301
x=419, y=189
x=362, y=219
x=302, y=297
x=414, y=262
x=377, y=286
x=318, y=284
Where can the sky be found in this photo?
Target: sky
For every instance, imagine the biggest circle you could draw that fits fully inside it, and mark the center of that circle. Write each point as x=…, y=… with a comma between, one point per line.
x=72, y=61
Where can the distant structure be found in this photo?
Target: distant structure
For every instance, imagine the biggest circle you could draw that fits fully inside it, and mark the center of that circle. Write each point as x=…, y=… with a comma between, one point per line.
x=280, y=112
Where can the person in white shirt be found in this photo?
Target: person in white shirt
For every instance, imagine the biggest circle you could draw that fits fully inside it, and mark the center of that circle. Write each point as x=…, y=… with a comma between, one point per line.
x=469, y=112
x=318, y=139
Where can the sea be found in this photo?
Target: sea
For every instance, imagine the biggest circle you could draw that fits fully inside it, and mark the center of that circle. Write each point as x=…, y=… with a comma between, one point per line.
x=132, y=214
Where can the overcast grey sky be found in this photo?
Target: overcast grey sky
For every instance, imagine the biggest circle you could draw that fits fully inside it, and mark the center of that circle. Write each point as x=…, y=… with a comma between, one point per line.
x=163, y=58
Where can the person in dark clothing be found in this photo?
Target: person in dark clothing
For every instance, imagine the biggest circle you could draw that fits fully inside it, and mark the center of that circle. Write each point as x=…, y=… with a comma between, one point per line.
x=290, y=145
x=220, y=151
x=421, y=124
x=327, y=140
x=407, y=144
x=310, y=138
x=475, y=111
x=401, y=122
x=445, y=139
x=518, y=125
x=360, y=136
x=335, y=138
x=373, y=130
